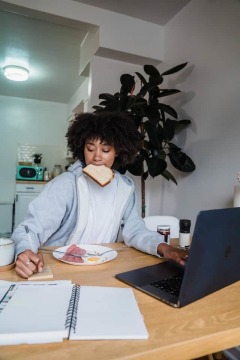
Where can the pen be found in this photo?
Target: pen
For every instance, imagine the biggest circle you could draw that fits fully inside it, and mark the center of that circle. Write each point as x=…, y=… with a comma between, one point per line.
x=29, y=238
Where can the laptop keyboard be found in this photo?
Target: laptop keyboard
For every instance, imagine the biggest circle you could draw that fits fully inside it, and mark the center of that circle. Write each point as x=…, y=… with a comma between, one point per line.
x=170, y=285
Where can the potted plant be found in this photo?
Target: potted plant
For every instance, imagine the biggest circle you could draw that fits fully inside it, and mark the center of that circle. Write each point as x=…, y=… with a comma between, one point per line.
x=37, y=158
x=156, y=121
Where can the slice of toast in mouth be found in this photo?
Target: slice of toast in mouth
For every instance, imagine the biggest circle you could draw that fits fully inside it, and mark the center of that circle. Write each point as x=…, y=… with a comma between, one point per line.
x=101, y=174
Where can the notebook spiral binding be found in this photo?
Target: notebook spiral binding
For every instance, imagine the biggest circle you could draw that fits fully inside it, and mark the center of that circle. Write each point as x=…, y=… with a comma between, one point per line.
x=71, y=317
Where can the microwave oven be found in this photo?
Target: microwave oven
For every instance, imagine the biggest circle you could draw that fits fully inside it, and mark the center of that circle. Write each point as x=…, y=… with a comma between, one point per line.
x=25, y=172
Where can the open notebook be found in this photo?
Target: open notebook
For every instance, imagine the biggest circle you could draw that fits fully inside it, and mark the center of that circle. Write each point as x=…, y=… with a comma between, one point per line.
x=50, y=313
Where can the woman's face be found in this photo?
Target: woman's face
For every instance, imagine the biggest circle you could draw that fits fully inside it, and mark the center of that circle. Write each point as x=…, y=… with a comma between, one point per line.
x=99, y=153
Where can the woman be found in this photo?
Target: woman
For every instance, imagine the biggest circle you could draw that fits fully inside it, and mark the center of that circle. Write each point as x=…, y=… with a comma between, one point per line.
x=73, y=209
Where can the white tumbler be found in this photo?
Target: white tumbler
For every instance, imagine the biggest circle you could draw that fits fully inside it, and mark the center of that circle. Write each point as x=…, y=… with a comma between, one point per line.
x=184, y=233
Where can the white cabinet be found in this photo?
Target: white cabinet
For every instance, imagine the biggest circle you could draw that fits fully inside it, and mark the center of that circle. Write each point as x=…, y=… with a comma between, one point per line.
x=25, y=193
x=6, y=209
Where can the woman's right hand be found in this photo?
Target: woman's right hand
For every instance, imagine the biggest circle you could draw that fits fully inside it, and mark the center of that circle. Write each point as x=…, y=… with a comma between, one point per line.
x=28, y=263
x=171, y=253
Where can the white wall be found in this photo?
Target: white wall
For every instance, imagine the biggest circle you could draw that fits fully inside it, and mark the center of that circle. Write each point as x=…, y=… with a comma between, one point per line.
x=115, y=29
x=206, y=34
x=30, y=122
x=81, y=96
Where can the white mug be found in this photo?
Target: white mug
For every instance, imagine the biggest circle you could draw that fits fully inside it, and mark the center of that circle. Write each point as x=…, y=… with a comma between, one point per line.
x=7, y=248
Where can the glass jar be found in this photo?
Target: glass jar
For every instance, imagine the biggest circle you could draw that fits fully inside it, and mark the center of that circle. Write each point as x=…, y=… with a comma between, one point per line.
x=164, y=231
x=46, y=175
x=57, y=170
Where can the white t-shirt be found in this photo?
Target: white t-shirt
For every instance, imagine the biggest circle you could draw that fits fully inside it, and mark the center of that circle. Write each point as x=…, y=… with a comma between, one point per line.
x=100, y=221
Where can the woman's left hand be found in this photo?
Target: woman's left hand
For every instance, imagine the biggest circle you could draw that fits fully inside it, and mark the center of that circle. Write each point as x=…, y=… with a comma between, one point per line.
x=171, y=253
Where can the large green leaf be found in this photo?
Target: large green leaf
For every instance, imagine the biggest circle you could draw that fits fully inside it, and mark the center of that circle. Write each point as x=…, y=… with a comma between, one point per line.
x=105, y=102
x=98, y=108
x=175, y=126
x=110, y=102
x=173, y=123
x=174, y=69
x=181, y=161
x=141, y=77
x=151, y=70
x=168, y=176
x=182, y=124
x=140, y=101
x=173, y=147
x=156, y=166
x=127, y=82
x=136, y=168
x=106, y=96
x=151, y=85
x=168, y=109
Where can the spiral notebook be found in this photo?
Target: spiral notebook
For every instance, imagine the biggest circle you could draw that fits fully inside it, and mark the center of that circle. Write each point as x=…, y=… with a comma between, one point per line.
x=42, y=314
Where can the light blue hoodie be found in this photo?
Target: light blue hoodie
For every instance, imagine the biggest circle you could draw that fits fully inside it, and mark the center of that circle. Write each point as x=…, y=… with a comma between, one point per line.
x=53, y=215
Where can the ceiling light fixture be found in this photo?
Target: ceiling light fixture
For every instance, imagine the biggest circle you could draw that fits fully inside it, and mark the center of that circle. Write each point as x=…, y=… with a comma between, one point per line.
x=15, y=73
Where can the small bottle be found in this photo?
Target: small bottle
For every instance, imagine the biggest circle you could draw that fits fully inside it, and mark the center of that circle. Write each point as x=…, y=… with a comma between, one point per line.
x=46, y=175
x=164, y=230
x=184, y=233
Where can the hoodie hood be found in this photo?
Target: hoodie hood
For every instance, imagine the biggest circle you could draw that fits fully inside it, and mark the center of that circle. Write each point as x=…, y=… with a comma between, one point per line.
x=76, y=168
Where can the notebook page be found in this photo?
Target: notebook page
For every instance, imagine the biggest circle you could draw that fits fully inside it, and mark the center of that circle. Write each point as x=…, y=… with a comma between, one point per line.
x=34, y=314
x=108, y=313
x=3, y=290
x=4, y=283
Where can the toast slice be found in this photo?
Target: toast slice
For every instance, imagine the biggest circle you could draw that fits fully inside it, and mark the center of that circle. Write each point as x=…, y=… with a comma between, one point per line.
x=101, y=174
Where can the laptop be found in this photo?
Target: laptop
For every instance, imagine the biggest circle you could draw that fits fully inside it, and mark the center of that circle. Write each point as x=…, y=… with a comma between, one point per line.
x=213, y=262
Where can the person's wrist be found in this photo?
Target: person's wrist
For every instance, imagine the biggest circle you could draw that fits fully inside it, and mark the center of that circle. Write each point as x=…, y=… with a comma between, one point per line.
x=161, y=249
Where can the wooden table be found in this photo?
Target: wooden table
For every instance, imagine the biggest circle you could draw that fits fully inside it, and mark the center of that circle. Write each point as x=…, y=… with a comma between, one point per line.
x=206, y=326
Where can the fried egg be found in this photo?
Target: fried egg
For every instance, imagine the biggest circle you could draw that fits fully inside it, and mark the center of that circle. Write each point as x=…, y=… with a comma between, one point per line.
x=93, y=258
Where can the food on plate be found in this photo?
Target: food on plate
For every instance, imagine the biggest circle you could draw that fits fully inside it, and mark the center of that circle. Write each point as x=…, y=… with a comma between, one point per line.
x=101, y=174
x=72, y=251
x=93, y=258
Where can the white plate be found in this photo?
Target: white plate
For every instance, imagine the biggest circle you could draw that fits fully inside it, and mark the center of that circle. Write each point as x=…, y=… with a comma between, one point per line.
x=91, y=259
